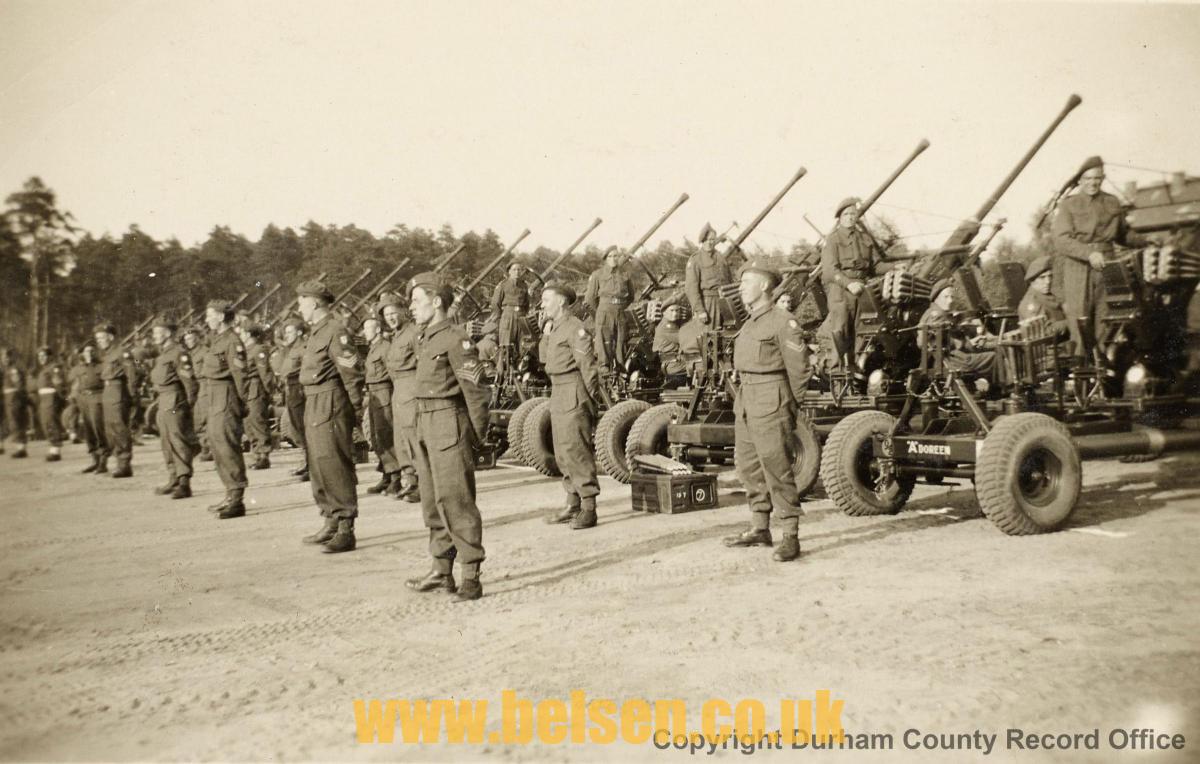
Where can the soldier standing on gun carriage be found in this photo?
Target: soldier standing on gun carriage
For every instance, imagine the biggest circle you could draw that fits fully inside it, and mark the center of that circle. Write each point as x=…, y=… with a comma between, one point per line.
x=566, y=351
x=171, y=375
x=847, y=261
x=331, y=373
x=609, y=292
x=119, y=375
x=1086, y=227
x=705, y=271
x=772, y=362
x=50, y=384
x=510, y=304
x=401, y=364
x=451, y=416
x=224, y=375
x=379, y=407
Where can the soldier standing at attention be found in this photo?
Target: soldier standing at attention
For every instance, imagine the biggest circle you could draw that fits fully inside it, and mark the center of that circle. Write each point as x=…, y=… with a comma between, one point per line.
x=331, y=373
x=771, y=359
x=609, y=293
x=1086, y=227
x=452, y=415
x=510, y=304
x=566, y=351
x=224, y=374
x=16, y=409
x=294, y=331
x=88, y=387
x=258, y=394
x=379, y=407
x=119, y=375
x=705, y=271
x=401, y=363
x=847, y=261
x=196, y=343
x=51, y=384
x=170, y=374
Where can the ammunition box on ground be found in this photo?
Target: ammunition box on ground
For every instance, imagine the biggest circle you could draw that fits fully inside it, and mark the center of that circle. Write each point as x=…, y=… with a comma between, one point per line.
x=673, y=494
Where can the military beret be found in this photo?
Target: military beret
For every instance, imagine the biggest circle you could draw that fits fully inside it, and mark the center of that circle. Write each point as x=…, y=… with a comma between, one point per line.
x=563, y=288
x=165, y=320
x=613, y=248
x=389, y=298
x=1039, y=266
x=761, y=266
x=220, y=305
x=706, y=233
x=295, y=321
x=938, y=287
x=1090, y=163
x=843, y=204
x=104, y=328
x=191, y=329
x=314, y=288
x=517, y=260
x=433, y=284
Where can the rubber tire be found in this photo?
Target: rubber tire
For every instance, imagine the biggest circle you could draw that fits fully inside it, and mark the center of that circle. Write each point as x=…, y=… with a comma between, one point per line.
x=1006, y=450
x=516, y=428
x=807, y=466
x=611, y=434
x=538, y=440
x=648, y=435
x=840, y=467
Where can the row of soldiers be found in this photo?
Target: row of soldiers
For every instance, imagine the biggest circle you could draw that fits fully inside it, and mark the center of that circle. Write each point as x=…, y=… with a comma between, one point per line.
x=420, y=391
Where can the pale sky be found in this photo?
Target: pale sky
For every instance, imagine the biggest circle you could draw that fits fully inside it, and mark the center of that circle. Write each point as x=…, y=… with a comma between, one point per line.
x=179, y=116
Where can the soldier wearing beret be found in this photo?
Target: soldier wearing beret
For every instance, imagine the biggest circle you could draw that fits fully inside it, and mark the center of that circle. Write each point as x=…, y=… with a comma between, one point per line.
x=451, y=416
x=87, y=386
x=400, y=360
x=1039, y=303
x=609, y=292
x=566, y=351
x=510, y=304
x=331, y=373
x=293, y=341
x=705, y=271
x=964, y=352
x=119, y=375
x=50, y=383
x=847, y=261
x=379, y=405
x=771, y=358
x=258, y=393
x=224, y=372
x=171, y=375
x=1086, y=228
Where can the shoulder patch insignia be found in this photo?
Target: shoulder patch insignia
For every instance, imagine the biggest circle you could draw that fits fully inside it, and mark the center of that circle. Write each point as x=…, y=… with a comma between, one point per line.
x=466, y=344
x=583, y=332
x=792, y=323
x=262, y=355
x=183, y=356
x=345, y=339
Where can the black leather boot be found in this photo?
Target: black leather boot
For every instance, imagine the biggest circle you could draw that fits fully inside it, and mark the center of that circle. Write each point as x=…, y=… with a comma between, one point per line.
x=323, y=535
x=163, y=490
x=752, y=537
x=432, y=581
x=233, y=505
x=343, y=540
x=183, y=488
x=788, y=549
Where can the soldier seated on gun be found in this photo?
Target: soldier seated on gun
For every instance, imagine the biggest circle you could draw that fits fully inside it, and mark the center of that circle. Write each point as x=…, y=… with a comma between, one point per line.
x=667, y=345
x=967, y=353
x=1039, y=304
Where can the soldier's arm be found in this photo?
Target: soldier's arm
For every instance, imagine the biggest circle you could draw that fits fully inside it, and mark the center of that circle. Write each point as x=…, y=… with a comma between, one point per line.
x=691, y=285
x=464, y=361
x=187, y=377
x=830, y=272
x=236, y=360
x=591, y=295
x=132, y=375
x=497, y=297
x=584, y=349
x=795, y=357
x=58, y=380
x=1063, y=229
x=349, y=367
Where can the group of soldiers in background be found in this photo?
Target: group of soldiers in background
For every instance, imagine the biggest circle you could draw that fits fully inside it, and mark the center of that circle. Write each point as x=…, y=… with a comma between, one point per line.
x=419, y=392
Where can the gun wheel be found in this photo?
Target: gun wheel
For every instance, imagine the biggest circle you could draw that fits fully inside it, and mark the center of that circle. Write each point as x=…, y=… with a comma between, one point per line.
x=611, y=435
x=850, y=470
x=806, y=467
x=648, y=435
x=1028, y=477
x=539, y=440
x=516, y=428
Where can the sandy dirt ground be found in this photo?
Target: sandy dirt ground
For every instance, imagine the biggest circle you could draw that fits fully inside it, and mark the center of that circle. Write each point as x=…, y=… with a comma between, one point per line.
x=133, y=627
